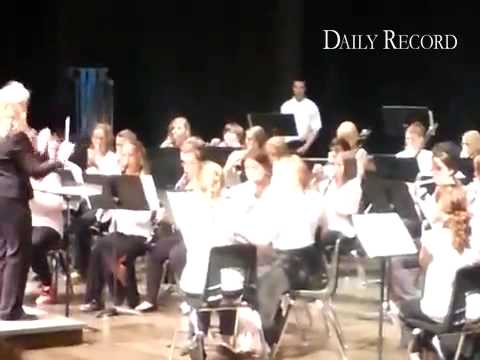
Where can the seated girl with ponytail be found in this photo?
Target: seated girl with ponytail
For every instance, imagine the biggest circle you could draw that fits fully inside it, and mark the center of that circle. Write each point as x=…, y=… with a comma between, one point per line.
x=445, y=249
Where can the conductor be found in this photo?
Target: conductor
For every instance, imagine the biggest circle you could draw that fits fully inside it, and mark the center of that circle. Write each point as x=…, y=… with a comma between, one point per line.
x=17, y=163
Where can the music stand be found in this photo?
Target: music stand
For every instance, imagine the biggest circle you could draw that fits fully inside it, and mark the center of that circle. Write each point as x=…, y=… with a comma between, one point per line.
x=395, y=168
x=68, y=192
x=383, y=236
x=218, y=154
x=275, y=124
x=166, y=167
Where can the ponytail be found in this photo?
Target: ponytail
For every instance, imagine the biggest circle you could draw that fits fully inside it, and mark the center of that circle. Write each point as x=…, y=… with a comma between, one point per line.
x=459, y=224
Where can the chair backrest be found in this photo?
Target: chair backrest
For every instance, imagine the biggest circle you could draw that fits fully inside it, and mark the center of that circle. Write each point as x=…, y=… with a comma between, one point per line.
x=241, y=256
x=467, y=279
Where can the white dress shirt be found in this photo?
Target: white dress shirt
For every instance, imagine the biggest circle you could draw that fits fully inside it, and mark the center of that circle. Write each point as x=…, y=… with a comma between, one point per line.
x=306, y=113
x=424, y=159
x=441, y=271
x=106, y=165
x=289, y=221
x=47, y=209
x=340, y=204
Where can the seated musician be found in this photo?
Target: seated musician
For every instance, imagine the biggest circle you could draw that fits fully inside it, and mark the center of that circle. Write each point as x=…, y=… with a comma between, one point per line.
x=414, y=147
x=255, y=138
x=327, y=171
x=169, y=244
x=348, y=130
x=101, y=159
x=132, y=231
x=210, y=228
x=233, y=136
x=47, y=226
x=287, y=221
x=179, y=130
x=341, y=198
x=124, y=136
x=470, y=144
x=445, y=249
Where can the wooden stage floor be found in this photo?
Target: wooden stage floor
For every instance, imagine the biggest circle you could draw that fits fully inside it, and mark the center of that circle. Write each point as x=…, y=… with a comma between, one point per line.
x=148, y=337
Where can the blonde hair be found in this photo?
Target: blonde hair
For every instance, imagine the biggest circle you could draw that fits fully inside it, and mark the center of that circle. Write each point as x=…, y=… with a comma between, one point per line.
x=472, y=138
x=140, y=148
x=276, y=147
x=211, y=180
x=107, y=130
x=258, y=135
x=12, y=95
x=452, y=201
x=348, y=131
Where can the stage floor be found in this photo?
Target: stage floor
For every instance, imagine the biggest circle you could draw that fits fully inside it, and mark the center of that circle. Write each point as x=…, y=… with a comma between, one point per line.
x=148, y=337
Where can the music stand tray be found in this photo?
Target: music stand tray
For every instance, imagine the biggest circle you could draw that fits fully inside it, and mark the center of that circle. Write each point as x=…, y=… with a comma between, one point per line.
x=274, y=124
x=166, y=167
x=383, y=236
x=218, y=154
x=395, y=168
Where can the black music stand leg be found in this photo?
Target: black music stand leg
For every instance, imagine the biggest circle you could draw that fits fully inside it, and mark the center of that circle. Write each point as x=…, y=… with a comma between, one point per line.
x=382, y=299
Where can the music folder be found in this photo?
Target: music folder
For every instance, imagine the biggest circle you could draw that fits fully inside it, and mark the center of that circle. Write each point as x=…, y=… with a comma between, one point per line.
x=383, y=235
x=395, y=168
x=274, y=123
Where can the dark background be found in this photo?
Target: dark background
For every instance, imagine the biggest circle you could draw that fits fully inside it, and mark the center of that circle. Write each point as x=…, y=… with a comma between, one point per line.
x=216, y=61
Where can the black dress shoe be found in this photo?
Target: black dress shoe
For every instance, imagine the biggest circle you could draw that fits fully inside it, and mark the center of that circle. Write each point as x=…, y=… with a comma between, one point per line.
x=21, y=317
x=27, y=317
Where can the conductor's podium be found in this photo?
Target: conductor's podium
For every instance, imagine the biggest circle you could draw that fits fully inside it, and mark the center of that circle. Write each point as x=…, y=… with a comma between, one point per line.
x=50, y=330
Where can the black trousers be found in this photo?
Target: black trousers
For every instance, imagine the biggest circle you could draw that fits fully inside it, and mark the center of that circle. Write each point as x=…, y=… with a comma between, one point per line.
x=44, y=239
x=82, y=242
x=105, y=253
x=170, y=247
x=15, y=255
x=226, y=317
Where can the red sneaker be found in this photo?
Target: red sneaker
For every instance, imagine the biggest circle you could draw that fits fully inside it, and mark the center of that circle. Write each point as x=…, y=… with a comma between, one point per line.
x=47, y=296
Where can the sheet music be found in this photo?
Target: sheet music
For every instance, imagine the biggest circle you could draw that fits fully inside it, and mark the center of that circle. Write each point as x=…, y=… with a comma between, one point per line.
x=383, y=235
x=67, y=129
x=150, y=191
x=76, y=171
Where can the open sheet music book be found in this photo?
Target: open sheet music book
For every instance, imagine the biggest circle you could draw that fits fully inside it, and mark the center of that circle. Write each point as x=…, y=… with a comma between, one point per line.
x=383, y=235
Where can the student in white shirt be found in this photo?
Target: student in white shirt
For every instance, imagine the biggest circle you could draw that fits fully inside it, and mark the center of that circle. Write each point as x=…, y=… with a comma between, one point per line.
x=445, y=249
x=306, y=113
x=101, y=159
x=288, y=223
x=132, y=231
x=414, y=148
x=342, y=195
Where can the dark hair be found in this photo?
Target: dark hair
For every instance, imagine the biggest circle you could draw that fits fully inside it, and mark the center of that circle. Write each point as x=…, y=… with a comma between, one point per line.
x=261, y=157
x=340, y=142
x=449, y=153
x=349, y=165
x=235, y=128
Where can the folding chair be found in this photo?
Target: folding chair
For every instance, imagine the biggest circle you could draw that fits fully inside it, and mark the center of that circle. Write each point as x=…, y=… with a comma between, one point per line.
x=455, y=323
x=214, y=299
x=323, y=299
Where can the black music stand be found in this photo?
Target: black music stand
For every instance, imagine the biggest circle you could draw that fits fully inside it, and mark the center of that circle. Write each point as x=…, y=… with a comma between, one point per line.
x=383, y=236
x=274, y=123
x=166, y=167
x=218, y=154
x=395, y=168
x=127, y=194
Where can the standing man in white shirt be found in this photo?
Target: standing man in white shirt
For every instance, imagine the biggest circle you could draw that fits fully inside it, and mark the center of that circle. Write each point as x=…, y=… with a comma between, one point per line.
x=306, y=113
